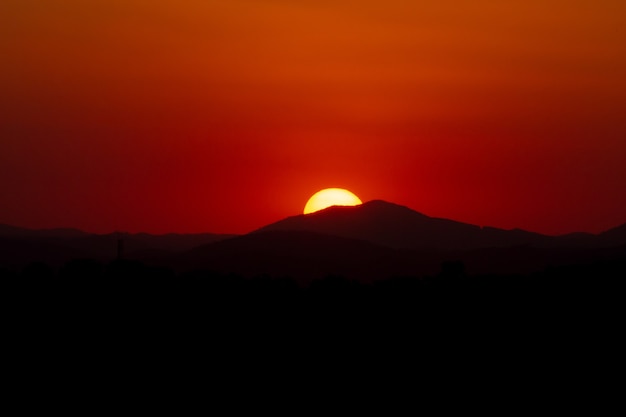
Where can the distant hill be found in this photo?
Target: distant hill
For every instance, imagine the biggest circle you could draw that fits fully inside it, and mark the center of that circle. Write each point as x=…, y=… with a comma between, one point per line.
x=306, y=256
x=613, y=237
x=372, y=241
x=143, y=245
x=397, y=226
x=19, y=246
x=18, y=252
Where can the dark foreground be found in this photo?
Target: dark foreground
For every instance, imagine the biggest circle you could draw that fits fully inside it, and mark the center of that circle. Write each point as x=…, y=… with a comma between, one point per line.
x=131, y=322
x=127, y=297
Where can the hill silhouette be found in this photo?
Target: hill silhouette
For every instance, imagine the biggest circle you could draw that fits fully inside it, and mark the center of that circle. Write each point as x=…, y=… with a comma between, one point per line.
x=305, y=256
x=397, y=226
x=20, y=246
x=199, y=292
x=613, y=237
x=400, y=227
x=375, y=240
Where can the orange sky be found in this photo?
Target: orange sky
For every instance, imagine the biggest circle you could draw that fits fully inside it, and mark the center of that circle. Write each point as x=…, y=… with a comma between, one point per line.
x=222, y=116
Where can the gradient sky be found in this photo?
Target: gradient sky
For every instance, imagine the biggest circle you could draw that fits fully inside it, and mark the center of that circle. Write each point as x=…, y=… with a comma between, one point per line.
x=223, y=116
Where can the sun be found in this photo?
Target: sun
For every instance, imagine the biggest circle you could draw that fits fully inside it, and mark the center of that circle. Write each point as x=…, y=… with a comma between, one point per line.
x=331, y=197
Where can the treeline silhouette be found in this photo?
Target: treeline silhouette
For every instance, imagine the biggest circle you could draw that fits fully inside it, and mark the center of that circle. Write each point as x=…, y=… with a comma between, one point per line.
x=85, y=292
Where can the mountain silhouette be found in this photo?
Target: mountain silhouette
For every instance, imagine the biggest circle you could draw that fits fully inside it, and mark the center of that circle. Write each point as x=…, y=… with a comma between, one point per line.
x=20, y=246
x=613, y=237
x=399, y=227
x=305, y=256
x=372, y=241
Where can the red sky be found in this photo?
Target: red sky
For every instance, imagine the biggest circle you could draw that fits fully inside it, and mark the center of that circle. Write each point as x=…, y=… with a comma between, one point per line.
x=223, y=116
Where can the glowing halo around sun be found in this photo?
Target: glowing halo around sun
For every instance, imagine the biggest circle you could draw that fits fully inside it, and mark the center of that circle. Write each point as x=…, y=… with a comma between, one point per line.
x=331, y=197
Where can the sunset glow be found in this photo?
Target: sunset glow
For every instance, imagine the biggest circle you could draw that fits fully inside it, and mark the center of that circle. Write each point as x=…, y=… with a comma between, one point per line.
x=223, y=116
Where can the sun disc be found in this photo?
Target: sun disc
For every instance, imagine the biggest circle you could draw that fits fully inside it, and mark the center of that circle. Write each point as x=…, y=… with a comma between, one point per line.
x=331, y=197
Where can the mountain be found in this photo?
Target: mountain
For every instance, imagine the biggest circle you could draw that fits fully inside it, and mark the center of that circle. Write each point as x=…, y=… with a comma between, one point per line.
x=305, y=256
x=613, y=237
x=372, y=241
x=397, y=226
x=20, y=246
x=143, y=245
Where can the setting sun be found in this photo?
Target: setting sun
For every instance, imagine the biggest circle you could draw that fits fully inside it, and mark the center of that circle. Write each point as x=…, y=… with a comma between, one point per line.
x=331, y=197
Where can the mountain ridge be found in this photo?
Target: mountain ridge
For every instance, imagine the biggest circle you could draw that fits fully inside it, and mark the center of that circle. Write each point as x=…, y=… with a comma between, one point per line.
x=374, y=240
x=56, y=246
x=305, y=256
x=400, y=227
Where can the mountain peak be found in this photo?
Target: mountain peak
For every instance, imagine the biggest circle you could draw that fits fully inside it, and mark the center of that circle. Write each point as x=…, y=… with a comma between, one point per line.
x=387, y=207
x=372, y=207
x=398, y=226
